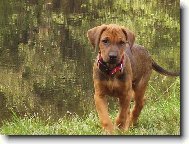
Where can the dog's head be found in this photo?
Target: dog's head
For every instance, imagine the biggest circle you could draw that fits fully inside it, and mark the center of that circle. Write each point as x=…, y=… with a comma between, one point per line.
x=111, y=40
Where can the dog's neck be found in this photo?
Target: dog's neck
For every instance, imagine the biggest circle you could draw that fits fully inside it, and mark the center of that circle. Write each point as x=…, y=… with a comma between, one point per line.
x=107, y=69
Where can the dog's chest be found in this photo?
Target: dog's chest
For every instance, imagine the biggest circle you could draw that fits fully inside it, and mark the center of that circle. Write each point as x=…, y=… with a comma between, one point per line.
x=114, y=86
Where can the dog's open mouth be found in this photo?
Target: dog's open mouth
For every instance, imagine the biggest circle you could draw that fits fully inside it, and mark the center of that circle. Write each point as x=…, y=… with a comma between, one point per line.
x=112, y=61
x=110, y=68
x=111, y=65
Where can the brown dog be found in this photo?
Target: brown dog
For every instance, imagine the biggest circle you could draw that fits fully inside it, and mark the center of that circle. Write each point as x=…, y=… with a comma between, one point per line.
x=123, y=70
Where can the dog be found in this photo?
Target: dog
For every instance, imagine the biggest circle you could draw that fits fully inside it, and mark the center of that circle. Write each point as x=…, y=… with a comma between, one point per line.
x=122, y=69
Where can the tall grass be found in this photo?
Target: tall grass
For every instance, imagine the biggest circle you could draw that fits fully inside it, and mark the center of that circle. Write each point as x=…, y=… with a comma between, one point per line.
x=160, y=116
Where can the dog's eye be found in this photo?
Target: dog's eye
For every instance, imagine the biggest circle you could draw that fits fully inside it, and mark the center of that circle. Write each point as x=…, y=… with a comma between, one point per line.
x=122, y=43
x=105, y=41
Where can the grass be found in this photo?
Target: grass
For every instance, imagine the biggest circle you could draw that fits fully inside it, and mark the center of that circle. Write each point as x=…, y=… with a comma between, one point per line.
x=160, y=116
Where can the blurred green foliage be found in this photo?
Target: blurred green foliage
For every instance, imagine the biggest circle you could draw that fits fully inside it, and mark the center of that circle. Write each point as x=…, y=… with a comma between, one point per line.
x=46, y=60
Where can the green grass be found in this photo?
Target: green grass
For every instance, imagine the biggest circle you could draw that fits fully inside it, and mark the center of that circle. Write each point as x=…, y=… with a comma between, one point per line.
x=160, y=116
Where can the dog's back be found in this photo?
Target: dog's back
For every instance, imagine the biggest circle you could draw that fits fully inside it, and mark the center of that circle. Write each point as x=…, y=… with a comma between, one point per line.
x=142, y=62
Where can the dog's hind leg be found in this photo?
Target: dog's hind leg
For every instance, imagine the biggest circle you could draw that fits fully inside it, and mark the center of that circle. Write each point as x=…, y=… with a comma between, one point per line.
x=139, y=98
x=122, y=120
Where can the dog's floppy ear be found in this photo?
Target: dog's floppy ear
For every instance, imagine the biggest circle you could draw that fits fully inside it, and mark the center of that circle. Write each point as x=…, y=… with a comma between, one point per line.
x=129, y=36
x=94, y=35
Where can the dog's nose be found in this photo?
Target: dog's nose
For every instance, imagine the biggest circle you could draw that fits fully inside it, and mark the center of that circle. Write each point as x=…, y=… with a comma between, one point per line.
x=113, y=55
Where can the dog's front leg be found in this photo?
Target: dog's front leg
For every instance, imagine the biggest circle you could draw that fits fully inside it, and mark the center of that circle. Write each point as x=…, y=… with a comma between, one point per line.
x=123, y=118
x=102, y=109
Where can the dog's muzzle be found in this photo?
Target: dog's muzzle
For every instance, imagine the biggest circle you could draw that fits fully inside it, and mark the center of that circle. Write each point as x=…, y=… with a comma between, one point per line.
x=112, y=57
x=109, y=71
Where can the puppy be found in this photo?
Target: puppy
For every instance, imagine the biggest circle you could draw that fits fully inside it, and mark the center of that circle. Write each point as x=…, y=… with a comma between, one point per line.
x=122, y=69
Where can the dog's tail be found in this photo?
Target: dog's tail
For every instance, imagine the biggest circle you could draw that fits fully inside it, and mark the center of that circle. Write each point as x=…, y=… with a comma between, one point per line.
x=162, y=71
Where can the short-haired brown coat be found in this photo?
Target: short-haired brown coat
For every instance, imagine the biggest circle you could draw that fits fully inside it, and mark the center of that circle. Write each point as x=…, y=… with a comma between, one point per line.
x=122, y=69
